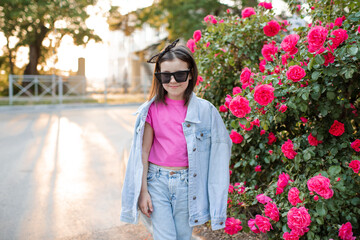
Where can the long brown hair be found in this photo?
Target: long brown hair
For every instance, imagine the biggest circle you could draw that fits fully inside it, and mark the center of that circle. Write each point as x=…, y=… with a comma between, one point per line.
x=182, y=53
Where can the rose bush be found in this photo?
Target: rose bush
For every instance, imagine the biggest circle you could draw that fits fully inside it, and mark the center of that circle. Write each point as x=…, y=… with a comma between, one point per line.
x=290, y=101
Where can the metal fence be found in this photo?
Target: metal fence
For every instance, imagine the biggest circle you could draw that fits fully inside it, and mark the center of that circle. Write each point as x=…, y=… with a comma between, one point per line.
x=55, y=89
x=45, y=87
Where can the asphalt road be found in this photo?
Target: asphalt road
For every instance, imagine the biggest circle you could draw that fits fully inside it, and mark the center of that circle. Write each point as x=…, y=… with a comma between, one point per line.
x=61, y=172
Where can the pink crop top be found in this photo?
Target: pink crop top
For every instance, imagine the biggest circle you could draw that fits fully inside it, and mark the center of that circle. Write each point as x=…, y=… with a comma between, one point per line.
x=169, y=145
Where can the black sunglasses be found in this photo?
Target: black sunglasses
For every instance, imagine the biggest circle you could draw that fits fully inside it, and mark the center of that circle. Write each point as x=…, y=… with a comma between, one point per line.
x=165, y=77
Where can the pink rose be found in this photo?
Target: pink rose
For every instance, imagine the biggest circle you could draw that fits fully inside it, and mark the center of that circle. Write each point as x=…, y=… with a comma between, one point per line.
x=304, y=120
x=247, y=12
x=295, y=73
x=298, y=220
x=279, y=190
x=316, y=38
x=232, y=226
x=358, y=29
x=313, y=140
x=290, y=236
x=197, y=35
x=339, y=21
x=345, y=232
x=355, y=165
x=316, y=198
x=239, y=106
x=356, y=145
x=236, y=90
x=228, y=100
x=245, y=78
x=340, y=36
x=252, y=226
x=337, y=128
x=288, y=149
x=223, y=108
x=264, y=94
x=271, y=28
x=263, y=223
x=284, y=58
x=289, y=43
x=268, y=51
x=283, y=108
x=320, y=185
x=191, y=45
x=214, y=21
x=263, y=199
x=199, y=80
x=265, y=5
x=262, y=132
x=208, y=18
x=236, y=137
x=258, y=168
x=231, y=188
x=271, y=138
x=270, y=152
x=207, y=44
x=283, y=180
x=262, y=65
x=293, y=196
x=256, y=122
x=272, y=211
x=329, y=58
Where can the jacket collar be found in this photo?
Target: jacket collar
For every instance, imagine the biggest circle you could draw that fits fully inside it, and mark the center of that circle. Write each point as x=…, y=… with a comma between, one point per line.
x=192, y=114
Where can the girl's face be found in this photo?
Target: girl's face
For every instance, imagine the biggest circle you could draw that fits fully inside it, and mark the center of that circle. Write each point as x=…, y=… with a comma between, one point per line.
x=175, y=89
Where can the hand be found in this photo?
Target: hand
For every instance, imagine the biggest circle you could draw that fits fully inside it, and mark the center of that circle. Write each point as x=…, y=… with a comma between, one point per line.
x=145, y=204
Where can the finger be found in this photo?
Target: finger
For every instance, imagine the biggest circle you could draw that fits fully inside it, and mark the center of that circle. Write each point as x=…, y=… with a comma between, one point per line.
x=150, y=205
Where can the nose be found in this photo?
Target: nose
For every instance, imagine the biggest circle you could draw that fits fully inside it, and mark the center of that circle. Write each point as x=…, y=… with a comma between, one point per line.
x=172, y=79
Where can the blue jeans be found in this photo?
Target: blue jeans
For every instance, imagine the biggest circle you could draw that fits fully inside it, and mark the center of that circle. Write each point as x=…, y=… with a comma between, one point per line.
x=169, y=195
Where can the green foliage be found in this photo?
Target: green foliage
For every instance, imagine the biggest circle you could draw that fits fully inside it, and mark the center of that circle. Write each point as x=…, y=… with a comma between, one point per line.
x=325, y=94
x=33, y=21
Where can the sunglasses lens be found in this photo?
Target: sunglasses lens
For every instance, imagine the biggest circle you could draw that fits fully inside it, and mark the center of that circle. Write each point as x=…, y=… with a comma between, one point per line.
x=163, y=77
x=180, y=76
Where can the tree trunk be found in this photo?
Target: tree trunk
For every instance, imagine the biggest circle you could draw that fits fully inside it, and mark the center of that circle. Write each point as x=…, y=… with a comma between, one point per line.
x=11, y=64
x=35, y=51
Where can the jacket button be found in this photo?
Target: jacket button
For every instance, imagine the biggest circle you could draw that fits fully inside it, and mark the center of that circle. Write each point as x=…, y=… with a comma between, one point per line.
x=194, y=197
x=196, y=221
x=202, y=134
x=194, y=175
x=194, y=149
x=221, y=223
x=188, y=125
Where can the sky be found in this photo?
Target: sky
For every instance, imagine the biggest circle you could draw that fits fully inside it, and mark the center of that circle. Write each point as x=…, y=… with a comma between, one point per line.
x=96, y=54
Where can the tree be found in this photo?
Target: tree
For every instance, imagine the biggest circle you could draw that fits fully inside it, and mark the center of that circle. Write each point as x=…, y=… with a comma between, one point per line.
x=181, y=18
x=30, y=22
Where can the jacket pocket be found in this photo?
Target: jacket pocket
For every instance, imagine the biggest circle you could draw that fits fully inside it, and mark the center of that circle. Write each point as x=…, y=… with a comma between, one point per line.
x=203, y=140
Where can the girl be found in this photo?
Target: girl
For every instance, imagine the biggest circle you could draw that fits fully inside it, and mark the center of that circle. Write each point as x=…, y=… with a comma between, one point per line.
x=178, y=168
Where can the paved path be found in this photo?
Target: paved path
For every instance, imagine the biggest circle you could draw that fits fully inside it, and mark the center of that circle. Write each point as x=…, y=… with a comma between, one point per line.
x=61, y=172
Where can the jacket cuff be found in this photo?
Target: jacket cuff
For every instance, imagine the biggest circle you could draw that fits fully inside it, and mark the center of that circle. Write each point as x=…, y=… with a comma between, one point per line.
x=217, y=223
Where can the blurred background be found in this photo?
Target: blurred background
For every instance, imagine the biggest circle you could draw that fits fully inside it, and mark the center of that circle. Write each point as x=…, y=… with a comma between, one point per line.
x=93, y=50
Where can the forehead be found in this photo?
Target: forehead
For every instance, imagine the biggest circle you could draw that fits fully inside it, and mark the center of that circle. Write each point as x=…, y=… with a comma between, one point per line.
x=173, y=65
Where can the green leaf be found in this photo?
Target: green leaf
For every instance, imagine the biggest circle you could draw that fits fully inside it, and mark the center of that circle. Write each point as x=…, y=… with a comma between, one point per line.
x=307, y=156
x=233, y=124
x=355, y=201
x=330, y=95
x=353, y=50
x=243, y=121
x=320, y=220
x=315, y=75
x=237, y=164
x=311, y=63
x=319, y=59
x=334, y=170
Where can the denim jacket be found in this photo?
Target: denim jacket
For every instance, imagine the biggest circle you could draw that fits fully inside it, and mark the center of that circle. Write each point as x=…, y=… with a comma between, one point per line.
x=209, y=150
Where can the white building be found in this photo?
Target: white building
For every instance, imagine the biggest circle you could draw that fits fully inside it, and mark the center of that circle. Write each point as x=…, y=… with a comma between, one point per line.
x=128, y=69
